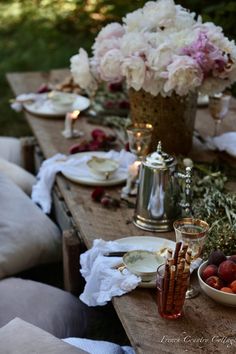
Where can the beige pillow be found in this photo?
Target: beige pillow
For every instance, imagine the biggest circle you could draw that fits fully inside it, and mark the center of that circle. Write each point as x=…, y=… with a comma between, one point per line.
x=11, y=150
x=54, y=310
x=27, y=236
x=18, y=175
x=20, y=337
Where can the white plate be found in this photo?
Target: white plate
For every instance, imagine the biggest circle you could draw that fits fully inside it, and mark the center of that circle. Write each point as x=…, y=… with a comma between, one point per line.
x=44, y=107
x=147, y=243
x=90, y=180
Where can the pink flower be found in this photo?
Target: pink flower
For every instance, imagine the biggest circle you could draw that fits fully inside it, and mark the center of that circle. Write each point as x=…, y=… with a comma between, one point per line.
x=112, y=30
x=210, y=58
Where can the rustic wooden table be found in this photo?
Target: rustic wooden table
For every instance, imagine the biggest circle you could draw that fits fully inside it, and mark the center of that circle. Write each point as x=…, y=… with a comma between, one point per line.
x=207, y=327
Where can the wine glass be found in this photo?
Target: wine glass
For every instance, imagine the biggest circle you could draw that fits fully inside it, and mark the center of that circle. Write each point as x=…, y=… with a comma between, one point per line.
x=139, y=138
x=193, y=232
x=219, y=107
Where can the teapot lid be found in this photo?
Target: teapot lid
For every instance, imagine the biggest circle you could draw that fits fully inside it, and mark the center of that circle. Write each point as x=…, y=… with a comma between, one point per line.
x=159, y=158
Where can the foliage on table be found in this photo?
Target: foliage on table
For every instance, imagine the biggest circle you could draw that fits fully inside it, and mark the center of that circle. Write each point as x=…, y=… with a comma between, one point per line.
x=212, y=203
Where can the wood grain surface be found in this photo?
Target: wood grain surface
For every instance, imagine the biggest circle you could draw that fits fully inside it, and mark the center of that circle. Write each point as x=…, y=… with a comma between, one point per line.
x=207, y=327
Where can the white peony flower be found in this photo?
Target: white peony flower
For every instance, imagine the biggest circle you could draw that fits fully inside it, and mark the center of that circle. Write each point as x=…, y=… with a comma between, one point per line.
x=159, y=58
x=110, y=66
x=134, y=21
x=133, y=44
x=159, y=14
x=183, y=75
x=133, y=69
x=80, y=70
x=112, y=30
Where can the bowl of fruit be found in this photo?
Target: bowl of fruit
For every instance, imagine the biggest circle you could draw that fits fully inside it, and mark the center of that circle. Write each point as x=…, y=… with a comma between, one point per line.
x=217, y=278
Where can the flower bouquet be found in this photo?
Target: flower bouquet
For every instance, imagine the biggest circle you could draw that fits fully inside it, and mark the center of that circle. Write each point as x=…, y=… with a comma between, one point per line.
x=160, y=50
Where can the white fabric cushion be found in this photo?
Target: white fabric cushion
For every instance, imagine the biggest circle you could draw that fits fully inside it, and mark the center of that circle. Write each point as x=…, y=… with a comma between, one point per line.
x=10, y=150
x=27, y=236
x=18, y=175
x=20, y=337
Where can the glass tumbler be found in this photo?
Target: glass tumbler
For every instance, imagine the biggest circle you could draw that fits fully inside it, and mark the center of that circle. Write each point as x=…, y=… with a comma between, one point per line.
x=171, y=291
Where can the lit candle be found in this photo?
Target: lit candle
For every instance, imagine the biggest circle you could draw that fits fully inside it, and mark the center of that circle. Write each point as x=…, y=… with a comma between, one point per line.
x=131, y=182
x=70, y=120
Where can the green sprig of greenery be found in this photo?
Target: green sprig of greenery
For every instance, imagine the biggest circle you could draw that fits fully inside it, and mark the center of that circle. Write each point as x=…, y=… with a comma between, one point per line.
x=211, y=202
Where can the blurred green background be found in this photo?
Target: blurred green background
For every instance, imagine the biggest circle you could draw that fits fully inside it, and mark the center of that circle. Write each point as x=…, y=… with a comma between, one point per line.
x=44, y=34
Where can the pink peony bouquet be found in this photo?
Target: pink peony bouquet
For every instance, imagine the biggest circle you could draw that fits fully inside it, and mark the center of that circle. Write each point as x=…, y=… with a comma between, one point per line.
x=161, y=48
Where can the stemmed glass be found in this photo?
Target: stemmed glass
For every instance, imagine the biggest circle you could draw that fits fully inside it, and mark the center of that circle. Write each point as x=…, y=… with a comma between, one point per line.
x=192, y=232
x=219, y=107
x=139, y=138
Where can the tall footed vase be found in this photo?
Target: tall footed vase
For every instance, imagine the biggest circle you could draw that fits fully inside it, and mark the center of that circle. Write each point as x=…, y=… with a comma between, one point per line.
x=172, y=119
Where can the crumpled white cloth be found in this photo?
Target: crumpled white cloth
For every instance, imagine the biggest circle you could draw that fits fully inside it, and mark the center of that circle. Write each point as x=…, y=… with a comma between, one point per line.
x=41, y=192
x=98, y=346
x=103, y=280
x=224, y=142
x=18, y=103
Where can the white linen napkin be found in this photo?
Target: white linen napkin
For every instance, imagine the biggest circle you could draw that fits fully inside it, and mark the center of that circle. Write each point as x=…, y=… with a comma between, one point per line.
x=41, y=193
x=224, y=142
x=19, y=101
x=98, y=347
x=103, y=280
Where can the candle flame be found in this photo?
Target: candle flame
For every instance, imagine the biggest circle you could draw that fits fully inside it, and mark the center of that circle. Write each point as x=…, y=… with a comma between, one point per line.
x=75, y=114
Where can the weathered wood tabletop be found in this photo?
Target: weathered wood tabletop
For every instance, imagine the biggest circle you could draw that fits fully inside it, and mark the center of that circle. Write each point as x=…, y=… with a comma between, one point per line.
x=207, y=327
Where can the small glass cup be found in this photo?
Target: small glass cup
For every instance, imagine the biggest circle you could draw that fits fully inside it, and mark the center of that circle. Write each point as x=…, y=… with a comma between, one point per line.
x=139, y=137
x=219, y=108
x=171, y=295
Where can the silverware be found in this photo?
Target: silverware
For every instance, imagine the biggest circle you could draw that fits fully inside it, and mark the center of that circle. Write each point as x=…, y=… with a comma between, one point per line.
x=121, y=253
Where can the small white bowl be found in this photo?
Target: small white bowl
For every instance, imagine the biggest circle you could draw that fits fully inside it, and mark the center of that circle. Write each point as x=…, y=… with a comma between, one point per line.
x=61, y=101
x=217, y=295
x=102, y=168
x=143, y=263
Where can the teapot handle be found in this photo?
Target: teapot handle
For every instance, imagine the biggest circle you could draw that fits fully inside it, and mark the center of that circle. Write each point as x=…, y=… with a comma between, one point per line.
x=187, y=204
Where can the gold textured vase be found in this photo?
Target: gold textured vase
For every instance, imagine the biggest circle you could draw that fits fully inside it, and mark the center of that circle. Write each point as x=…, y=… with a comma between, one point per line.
x=172, y=118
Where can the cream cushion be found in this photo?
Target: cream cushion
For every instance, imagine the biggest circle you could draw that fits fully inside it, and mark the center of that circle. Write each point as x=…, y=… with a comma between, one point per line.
x=27, y=236
x=53, y=310
x=11, y=150
x=20, y=337
x=18, y=175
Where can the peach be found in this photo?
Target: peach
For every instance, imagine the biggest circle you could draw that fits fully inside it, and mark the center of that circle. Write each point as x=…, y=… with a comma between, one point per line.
x=209, y=271
x=215, y=282
x=226, y=290
x=233, y=286
x=227, y=271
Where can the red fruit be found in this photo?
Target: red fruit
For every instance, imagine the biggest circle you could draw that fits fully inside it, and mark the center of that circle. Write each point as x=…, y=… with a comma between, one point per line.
x=215, y=282
x=227, y=290
x=106, y=202
x=98, y=135
x=232, y=258
x=227, y=271
x=94, y=145
x=97, y=194
x=209, y=271
x=83, y=146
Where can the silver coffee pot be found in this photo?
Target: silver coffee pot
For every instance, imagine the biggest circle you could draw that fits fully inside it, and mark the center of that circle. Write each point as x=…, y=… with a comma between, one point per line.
x=159, y=193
